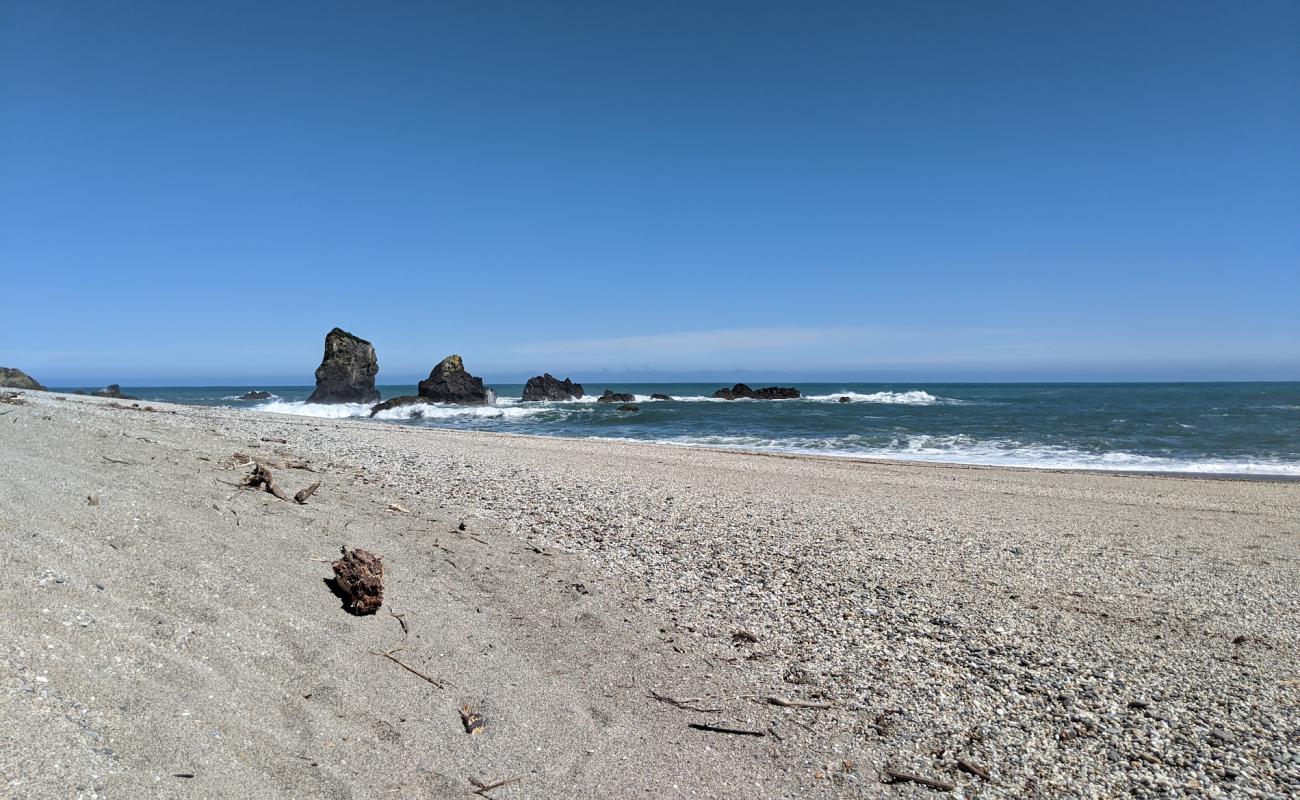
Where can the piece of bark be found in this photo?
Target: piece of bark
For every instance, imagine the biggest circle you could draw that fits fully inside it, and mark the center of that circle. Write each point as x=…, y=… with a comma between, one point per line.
x=361, y=577
x=301, y=497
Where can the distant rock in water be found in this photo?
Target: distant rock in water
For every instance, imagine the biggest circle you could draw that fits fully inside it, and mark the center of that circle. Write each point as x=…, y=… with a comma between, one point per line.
x=547, y=387
x=347, y=372
x=658, y=396
x=628, y=407
x=742, y=392
x=114, y=391
x=450, y=383
x=255, y=395
x=845, y=399
x=398, y=402
x=11, y=378
x=612, y=397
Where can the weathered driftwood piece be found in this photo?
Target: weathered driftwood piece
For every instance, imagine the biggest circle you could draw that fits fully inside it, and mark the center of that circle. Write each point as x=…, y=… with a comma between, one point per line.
x=261, y=477
x=301, y=497
x=361, y=577
x=275, y=440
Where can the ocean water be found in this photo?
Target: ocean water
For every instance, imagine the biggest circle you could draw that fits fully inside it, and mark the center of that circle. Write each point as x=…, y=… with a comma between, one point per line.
x=1228, y=428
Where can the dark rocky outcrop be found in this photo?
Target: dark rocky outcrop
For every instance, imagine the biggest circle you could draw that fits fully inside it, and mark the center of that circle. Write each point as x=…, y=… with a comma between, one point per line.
x=255, y=395
x=450, y=383
x=628, y=407
x=347, y=372
x=546, y=387
x=658, y=396
x=614, y=397
x=845, y=399
x=114, y=391
x=11, y=378
x=742, y=392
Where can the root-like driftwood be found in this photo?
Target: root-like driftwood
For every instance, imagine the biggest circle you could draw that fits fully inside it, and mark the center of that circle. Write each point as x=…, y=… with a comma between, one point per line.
x=261, y=477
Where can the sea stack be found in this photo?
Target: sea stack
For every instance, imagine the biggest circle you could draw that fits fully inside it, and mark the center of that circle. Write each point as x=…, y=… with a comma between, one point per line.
x=11, y=378
x=547, y=387
x=347, y=372
x=742, y=392
x=447, y=383
x=450, y=383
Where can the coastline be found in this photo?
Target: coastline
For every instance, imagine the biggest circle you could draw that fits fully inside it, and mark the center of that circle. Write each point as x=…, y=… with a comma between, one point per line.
x=1075, y=632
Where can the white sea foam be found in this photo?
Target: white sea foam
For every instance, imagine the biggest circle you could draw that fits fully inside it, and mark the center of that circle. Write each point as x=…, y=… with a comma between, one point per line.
x=965, y=450
x=437, y=411
x=915, y=397
x=327, y=410
x=424, y=410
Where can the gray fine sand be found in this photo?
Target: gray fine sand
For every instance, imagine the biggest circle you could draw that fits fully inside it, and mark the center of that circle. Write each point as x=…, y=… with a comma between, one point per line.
x=1000, y=633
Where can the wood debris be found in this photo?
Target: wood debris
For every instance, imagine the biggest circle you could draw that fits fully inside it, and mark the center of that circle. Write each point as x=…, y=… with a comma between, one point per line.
x=484, y=787
x=400, y=509
x=966, y=765
x=471, y=719
x=301, y=497
x=360, y=575
x=686, y=703
x=719, y=729
x=261, y=477
x=389, y=655
x=898, y=776
x=795, y=703
x=275, y=440
x=744, y=636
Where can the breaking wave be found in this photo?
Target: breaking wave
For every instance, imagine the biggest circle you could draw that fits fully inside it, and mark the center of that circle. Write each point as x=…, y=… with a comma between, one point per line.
x=1003, y=453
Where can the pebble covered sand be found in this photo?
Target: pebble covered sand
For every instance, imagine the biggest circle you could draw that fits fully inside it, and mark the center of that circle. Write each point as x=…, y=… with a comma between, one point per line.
x=995, y=632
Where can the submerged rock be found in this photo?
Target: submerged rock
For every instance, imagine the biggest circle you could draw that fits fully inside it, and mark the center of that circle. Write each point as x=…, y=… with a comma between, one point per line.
x=114, y=391
x=450, y=383
x=547, y=387
x=347, y=372
x=845, y=399
x=628, y=407
x=742, y=392
x=398, y=402
x=614, y=397
x=255, y=395
x=11, y=378
x=658, y=396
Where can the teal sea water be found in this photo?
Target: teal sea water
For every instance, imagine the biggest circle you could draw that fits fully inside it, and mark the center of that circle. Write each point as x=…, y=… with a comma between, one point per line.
x=1232, y=428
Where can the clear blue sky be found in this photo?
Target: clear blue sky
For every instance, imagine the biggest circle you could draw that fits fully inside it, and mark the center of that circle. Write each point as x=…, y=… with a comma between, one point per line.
x=197, y=192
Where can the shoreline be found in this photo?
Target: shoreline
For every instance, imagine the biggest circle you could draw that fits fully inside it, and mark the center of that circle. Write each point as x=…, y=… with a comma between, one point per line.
x=1073, y=633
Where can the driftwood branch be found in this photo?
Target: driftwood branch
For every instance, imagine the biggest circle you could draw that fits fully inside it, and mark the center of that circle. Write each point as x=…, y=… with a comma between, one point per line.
x=719, y=729
x=389, y=655
x=301, y=497
x=686, y=703
x=898, y=776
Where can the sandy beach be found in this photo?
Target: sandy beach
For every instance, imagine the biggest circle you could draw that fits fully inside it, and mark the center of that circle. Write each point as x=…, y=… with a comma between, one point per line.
x=855, y=626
